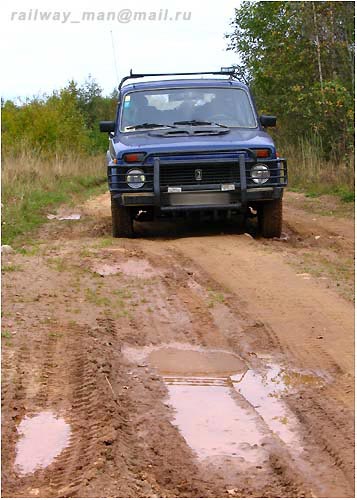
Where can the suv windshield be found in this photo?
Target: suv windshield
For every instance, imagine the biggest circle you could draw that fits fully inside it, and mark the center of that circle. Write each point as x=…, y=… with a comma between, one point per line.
x=159, y=108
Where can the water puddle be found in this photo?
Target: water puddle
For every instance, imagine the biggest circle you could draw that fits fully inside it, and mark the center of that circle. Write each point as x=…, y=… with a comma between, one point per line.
x=64, y=217
x=208, y=412
x=42, y=438
x=264, y=393
x=132, y=267
x=138, y=267
x=107, y=269
x=214, y=424
x=173, y=361
x=223, y=408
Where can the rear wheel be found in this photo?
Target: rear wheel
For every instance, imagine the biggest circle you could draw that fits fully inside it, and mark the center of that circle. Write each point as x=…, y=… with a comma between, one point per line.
x=122, y=221
x=270, y=218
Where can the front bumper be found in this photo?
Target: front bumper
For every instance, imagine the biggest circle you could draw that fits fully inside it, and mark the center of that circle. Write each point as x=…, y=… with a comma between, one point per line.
x=198, y=195
x=198, y=200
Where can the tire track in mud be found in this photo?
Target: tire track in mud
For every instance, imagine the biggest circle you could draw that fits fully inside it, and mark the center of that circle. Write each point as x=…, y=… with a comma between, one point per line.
x=74, y=461
x=68, y=384
x=317, y=423
x=192, y=287
x=319, y=345
x=313, y=416
x=105, y=423
x=205, y=333
x=196, y=307
x=334, y=435
x=53, y=360
x=156, y=456
x=123, y=440
x=95, y=418
x=24, y=392
x=13, y=396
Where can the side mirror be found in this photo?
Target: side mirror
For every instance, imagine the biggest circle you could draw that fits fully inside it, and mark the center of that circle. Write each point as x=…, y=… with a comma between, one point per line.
x=268, y=120
x=107, y=126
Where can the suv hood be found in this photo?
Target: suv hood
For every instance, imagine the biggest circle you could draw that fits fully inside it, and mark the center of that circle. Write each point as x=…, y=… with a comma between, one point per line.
x=150, y=143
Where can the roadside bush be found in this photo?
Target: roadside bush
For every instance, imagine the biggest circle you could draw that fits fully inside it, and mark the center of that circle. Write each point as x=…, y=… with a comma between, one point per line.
x=66, y=122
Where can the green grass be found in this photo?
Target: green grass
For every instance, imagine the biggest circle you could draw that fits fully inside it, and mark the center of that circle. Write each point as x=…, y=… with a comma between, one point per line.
x=345, y=194
x=57, y=263
x=93, y=297
x=5, y=334
x=84, y=252
x=215, y=298
x=123, y=293
x=22, y=217
x=29, y=251
x=104, y=243
x=10, y=268
x=31, y=188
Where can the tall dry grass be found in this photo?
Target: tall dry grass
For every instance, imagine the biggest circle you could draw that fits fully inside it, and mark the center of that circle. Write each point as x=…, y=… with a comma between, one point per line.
x=30, y=185
x=309, y=170
x=25, y=172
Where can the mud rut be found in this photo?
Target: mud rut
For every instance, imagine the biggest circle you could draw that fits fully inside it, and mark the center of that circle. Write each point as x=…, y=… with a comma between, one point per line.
x=84, y=312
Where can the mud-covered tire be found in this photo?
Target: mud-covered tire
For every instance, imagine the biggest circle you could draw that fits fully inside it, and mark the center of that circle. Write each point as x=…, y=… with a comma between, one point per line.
x=270, y=218
x=122, y=221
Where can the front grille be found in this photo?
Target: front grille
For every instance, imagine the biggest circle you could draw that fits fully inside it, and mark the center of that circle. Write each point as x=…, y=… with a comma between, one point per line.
x=198, y=174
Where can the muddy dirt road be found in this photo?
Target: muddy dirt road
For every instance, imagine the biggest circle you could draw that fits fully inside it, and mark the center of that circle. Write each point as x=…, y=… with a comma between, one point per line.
x=187, y=362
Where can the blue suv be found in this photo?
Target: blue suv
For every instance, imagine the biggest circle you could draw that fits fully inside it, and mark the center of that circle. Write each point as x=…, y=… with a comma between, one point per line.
x=179, y=146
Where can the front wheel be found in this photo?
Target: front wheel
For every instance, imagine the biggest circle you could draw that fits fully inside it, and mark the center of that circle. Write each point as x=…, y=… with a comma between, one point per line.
x=122, y=221
x=270, y=218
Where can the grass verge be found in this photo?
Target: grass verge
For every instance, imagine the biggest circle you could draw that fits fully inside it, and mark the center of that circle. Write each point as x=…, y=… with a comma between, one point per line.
x=314, y=174
x=32, y=187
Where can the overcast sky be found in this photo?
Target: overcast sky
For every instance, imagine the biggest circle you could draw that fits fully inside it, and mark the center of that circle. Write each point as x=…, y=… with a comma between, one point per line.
x=39, y=56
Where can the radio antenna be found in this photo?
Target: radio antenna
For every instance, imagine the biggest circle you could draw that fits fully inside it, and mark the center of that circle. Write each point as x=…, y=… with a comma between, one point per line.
x=114, y=56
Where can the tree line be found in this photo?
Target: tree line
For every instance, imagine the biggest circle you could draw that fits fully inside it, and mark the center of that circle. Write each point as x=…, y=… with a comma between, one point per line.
x=62, y=123
x=298, y=58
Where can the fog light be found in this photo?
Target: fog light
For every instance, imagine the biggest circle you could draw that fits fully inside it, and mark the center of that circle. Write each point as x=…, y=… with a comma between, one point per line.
x=135, y=178
x=260, y=174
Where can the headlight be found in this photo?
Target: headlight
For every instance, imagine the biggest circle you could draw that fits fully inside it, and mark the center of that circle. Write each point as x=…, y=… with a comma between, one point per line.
x=135, y=178
x=260, y=173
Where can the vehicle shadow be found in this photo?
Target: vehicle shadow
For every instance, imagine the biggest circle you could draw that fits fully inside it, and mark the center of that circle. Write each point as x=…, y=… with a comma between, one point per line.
x=167, y=229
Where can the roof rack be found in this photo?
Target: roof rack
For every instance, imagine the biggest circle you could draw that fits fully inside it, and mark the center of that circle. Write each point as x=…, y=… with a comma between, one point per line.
x=231, y=72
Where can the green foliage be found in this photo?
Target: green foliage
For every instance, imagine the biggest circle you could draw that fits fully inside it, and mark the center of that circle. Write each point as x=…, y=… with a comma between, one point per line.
x=346, y=195
x=298, y=58
x=64, y=123
x=10, y=268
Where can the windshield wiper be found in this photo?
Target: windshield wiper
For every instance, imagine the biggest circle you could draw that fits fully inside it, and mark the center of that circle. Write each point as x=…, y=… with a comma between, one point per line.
x=198, y=123
x=148, y=125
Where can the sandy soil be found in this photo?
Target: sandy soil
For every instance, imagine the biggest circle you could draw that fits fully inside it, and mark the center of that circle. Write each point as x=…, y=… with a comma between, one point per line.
x=187, y=362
